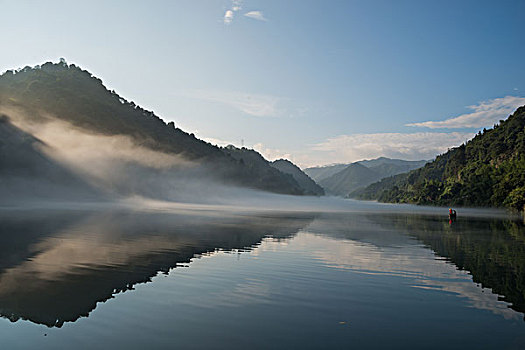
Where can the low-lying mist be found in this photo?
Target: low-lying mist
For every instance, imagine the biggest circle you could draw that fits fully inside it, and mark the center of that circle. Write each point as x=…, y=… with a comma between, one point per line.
x=49, y=162
x=114, y=166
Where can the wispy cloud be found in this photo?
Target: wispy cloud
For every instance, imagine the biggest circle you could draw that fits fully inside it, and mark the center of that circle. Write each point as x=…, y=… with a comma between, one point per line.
x=409, y=146
x=253, y=104
x=236, y=5
x=258, y=15
x=228, y=16
x=215, y=141
x=351, y=148
x=484, y=114
x=271, y=153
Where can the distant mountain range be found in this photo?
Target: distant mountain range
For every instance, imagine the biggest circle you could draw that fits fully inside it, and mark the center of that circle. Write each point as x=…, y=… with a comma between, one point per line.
x=342, y=179
x=488, y=170
x=150, y=152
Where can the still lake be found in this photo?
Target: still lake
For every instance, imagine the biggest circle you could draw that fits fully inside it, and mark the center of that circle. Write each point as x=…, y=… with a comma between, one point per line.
x=365, y=276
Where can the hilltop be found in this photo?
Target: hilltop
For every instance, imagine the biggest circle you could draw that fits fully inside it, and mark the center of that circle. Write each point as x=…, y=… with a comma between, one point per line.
x=65, y=92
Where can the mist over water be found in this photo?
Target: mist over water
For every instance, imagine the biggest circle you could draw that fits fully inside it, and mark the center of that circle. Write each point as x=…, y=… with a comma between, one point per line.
x=108, y=170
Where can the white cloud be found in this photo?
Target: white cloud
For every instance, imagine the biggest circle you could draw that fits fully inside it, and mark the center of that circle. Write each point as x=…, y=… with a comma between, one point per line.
x=228, y=16
x=271, y=154
x=258, y=15
x=215, y=141
x=484, y=114
x=253, y=104
x=409, y=146
x=351, y=148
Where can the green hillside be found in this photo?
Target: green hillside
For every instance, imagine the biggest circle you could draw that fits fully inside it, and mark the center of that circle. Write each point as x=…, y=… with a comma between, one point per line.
x=74, y=95
x=488, y=170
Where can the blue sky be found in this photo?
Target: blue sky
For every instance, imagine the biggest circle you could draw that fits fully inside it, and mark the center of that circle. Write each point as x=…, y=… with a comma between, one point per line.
x=317, y=82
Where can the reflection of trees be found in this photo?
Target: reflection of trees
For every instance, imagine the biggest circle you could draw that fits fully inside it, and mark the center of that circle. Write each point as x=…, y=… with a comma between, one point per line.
x=493, y=251
x=56, y=268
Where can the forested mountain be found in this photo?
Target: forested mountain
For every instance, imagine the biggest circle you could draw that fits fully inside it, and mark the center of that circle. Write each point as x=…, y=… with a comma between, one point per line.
x=307, y=184
x=255, y=161
x=58, y=91
x=341, y=179
x=350, y=178
x=322, y=172
x=488, y=170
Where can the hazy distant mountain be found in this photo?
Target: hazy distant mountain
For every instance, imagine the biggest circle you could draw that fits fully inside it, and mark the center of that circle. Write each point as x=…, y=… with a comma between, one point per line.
x=341, y=179
x=322, y=172
x=66, y=93
x=388, y=167
x=307, y=184
x=350, y=178
x=488, y=170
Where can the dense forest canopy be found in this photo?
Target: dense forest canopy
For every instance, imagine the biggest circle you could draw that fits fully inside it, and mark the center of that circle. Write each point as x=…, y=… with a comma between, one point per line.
x=488, y=170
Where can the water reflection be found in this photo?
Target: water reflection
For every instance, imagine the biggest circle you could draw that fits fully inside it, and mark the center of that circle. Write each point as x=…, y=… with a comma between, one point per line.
x=492, y=251
x=56, y=266
x=488, y=252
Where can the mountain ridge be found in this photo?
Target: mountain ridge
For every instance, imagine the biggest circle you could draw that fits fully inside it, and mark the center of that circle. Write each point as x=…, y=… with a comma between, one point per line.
x=69, y=93
x=342, y=179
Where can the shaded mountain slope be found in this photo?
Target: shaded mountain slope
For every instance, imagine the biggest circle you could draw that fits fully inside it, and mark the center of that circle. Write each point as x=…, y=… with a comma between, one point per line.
x=255, y=162
x=307, y=184
x=25, y=170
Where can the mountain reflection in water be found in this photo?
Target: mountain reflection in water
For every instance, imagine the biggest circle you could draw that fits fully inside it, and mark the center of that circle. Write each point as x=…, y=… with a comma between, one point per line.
x=489, y=252
x=56, y=266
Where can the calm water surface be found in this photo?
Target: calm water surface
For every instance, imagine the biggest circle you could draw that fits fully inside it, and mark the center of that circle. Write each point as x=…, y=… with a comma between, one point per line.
x=215, y=279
